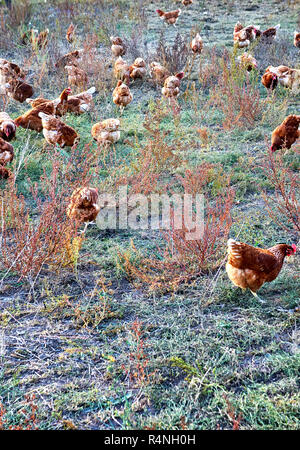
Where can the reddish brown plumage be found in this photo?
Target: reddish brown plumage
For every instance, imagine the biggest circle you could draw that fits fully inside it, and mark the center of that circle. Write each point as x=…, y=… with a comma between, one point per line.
x=251, y=267
x=268, y=35
x=7, y=127
x=122, y=95
x=83, y=205
x=297, y=39
x=122, y=70
x=57, y=132
x=4, y=172
x=243, y=36
x=76, y=76
x=10, y=70
x=106, y=132
x=118, y=47
x=170, y=17
x=171, y=85
x=69, y=59
x=19, y=90
x=269, y=80
x=286, y=133
x=158, y=72
x=138, y=69
x=6, y=152
x=80, y=103
x=197, y=44
x=59, y=103
x=70, y=34
x=31, y=119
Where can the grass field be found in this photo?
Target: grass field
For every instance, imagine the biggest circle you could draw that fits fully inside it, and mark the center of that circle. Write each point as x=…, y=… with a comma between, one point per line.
x=128, y=335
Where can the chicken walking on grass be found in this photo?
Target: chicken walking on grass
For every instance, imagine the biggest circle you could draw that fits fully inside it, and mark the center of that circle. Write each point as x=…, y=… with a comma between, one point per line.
x=251, y=267
x=83, y=206
x=58, y=133
x=286, y=134
x=169, y=18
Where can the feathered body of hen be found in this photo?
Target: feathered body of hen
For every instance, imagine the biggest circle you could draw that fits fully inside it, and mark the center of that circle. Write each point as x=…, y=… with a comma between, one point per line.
x=251, y=267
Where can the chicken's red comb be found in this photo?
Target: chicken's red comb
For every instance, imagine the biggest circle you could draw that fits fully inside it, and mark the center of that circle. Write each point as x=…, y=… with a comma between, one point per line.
x=294, y=248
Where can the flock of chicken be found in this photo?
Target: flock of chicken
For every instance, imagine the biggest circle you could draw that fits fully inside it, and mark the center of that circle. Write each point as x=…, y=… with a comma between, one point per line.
x=247, y=266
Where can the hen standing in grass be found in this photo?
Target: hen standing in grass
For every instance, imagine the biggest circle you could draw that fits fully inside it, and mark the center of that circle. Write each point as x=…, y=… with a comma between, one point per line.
x=6, y=152
x=169, y=18
x=69, y=59
x=287, y=77
x=70, y=34
x=7, y=127
x=197, y=44
x=268, y=35
x=243, y=36
x=158, y=72
x=269, y=80
x=171, y=85
x=106, y=132
x=122, y=70
x=286, y=133
x=122, y=95
x=247, y=61
x=118, y=47
x=251, y=267
x=80, y=103
x=83, y=205
x=59, y=103
x=58, y=133
x=76, y=76
x=297, y=39
x=138, y=69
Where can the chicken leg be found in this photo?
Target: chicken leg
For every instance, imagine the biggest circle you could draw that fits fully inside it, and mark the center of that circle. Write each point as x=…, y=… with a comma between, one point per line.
x=257, y=297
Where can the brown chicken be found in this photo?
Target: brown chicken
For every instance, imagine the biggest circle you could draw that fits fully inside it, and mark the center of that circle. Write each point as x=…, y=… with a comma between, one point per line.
x=122, y=70
x=9, y=70
x=31, y=119
x=6, y=152
x=248, y=61
x=243, y=36
x=69, y=59
x=7, y=127
x=169, y=18
x=138, y=69
x=4, y=172
x=76, y=76
x=268, y=35
x=57, y=132
x=83, y=205
x=122, y=95
x=187, y=2
x=60, y=103
x=286, y=134
x=197, y=44
x=70, y=35
x=106, y=132
x=158, y=72
x=171, y=85
x=297, y=39
x=80, y=103
x=269, y=80
x=251, y=267
x=287, y=77
x=19, y=90
x=118, y=47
